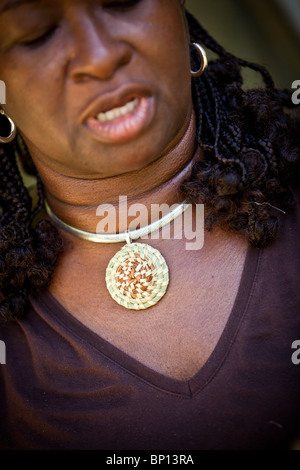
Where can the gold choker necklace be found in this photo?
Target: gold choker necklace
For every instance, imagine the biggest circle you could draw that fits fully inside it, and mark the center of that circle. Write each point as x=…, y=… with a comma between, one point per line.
x=137, y=276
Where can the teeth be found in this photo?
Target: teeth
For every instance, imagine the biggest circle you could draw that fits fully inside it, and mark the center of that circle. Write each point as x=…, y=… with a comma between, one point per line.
x=118, y=112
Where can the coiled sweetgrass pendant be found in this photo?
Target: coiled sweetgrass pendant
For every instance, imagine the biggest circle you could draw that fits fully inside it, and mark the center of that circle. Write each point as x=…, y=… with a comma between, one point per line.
x=137, y=276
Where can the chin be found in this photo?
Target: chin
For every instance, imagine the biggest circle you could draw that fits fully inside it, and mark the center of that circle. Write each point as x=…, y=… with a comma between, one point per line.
x=118, y=168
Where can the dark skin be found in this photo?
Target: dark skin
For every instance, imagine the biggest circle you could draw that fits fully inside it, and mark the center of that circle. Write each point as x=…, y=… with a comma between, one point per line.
x=95, y=53
x=96, y=50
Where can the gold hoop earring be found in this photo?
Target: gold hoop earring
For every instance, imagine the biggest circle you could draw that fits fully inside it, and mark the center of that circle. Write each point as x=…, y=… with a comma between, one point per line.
x=201, y=52
x=13, y=130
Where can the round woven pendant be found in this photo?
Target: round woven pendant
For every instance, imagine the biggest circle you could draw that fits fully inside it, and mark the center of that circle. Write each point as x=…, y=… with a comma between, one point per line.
x=137, y=276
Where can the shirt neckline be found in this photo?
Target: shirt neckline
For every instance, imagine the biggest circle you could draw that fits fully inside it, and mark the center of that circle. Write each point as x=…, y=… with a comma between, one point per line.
x=50, y=307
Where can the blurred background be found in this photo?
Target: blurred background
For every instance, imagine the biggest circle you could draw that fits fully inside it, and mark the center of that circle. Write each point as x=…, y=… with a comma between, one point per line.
x=262, y=31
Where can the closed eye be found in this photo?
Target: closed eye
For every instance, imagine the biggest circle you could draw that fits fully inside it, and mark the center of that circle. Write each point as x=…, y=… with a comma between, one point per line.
x=121, y=4
x=40, y=39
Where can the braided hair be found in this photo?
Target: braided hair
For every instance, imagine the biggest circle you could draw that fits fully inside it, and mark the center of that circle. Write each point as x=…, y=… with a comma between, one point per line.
x=251, y=143
x=251, y=147
x=28, y=250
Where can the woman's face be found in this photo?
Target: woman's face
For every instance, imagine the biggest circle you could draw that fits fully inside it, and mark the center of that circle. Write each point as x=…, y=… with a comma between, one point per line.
x=96, y=88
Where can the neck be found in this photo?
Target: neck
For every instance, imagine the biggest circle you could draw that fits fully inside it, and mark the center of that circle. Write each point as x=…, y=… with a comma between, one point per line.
x=75, y=201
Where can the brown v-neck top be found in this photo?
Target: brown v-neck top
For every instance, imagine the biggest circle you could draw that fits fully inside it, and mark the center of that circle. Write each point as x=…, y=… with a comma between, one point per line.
x=64, y=387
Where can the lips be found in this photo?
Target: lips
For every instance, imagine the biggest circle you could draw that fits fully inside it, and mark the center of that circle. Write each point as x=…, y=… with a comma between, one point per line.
x=120, y=116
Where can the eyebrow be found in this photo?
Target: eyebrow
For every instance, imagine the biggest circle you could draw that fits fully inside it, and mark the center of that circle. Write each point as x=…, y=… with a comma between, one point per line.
x=10, y=4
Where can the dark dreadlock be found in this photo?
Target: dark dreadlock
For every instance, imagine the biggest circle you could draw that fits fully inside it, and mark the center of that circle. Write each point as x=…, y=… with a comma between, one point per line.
x=251, y=149
x=28, y=253
x=251, y=146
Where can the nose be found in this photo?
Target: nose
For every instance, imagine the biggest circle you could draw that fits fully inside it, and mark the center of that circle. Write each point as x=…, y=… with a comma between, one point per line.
x=96, y=50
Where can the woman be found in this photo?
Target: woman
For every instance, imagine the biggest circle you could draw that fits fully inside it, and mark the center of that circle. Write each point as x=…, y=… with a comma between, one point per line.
x=106, y=103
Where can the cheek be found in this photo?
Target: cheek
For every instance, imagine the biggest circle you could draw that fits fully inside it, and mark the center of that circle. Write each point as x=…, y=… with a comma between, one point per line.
x=166, y=57
x=175, y=85
x=30, y=106
x=32, y=82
